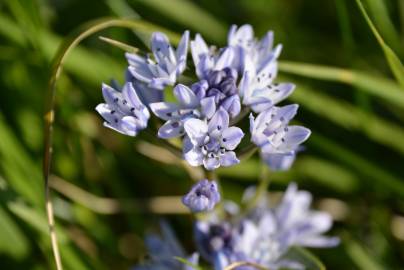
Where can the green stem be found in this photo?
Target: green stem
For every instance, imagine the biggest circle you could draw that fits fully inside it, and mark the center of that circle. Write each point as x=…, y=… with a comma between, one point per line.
x=57, y=67
x=247, y=151
x=262, y=187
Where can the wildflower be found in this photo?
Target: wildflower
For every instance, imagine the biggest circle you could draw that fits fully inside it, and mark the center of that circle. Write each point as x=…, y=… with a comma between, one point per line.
x=247, y=50
x=265, y=235
x=211, y=144
x=277, y=140
x=203, y=196
x=167, y=64
x=162, y=251
x=207, y=59
x=258, y=90
x=123, y=111
x=189, y=106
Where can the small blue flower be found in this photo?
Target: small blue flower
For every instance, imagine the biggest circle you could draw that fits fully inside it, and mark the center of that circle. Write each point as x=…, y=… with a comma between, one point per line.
x=248, y=51
x=211, y=144
x=265, y=235
x=189, y=106
x=123, y=111
x=207, y=59
x=260, y=93
x=277, y=140
x=257, y=62
x=203, y=196
x=167, y=64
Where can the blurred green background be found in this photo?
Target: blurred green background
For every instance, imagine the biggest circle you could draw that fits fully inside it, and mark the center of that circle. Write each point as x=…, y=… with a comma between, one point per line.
x=107, y=188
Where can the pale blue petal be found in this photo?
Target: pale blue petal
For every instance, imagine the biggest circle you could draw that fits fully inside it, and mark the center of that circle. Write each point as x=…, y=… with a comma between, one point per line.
x=181, y=53
x=171, y=129
x=225, y=59
x=208, y=106
x=211, y=163
x=219, y=121
x=231, y=137
x=185, y=96
x=229, y=159
x=164, y=110
x=196, y=130
x=232, y=105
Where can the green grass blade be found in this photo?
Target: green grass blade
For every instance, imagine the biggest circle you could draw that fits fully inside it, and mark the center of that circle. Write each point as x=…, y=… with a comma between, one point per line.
x=395, y=64
x=350, y=117
x=190, y=15
x=12, y=240
x=378, y=10
x=360, y=257
x=306, y=258
x=374, y=85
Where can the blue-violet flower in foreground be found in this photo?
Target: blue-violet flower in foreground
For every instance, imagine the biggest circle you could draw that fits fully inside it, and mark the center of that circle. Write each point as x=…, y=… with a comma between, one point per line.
x=212, y=143
x=123, y=111
x=167, y=64
x=189, y=106
x=203, y=196
x=265, y=235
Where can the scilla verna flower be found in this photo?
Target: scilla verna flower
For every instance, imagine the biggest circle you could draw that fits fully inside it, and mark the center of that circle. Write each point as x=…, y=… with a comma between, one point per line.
x=167, y=64
x=265, y=235
x=203, y=196
x=123, y=111
x=212, y=143
x=275, y=138
x=189, y=106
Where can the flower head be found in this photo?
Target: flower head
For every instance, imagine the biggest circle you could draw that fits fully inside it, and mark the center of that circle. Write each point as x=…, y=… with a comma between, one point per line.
x=167, y=64
x=123, y=110
x=265, y=235
x=203, y=196
x=211, y=144
x=277, y=140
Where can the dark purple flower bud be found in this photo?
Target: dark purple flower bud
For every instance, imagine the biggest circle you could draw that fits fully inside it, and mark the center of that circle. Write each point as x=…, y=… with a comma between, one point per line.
x=203, y=196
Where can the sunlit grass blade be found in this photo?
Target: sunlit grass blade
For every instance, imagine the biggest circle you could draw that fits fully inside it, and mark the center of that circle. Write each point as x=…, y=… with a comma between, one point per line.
x=60, y=57
x=119, y=44
x=190, y=15
x=12, y=240
x=372, y=84
x=395, y=64
x=360, y=257
x=306, y=258
x=379, y=12
x=20, y=170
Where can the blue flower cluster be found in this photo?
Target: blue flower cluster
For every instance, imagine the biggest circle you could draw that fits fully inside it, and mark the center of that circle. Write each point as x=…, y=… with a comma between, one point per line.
x=228, y=83
x=263, y=236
